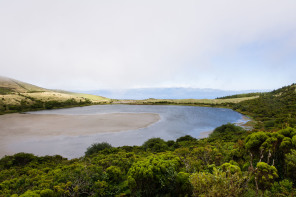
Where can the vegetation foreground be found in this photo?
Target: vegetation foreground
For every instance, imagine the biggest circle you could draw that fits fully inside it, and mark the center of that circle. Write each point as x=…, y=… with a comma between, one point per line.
x=230, y=162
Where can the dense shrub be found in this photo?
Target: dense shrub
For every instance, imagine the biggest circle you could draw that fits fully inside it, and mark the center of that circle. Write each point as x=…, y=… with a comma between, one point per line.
x=218, y=183
x=19, y=159
x=155, y=145
x=186, y=138
x=227, y=132
x=155, y=175
x=96, y=147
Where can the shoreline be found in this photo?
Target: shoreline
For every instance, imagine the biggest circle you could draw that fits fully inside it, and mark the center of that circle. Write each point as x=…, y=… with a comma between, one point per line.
x=243, y=124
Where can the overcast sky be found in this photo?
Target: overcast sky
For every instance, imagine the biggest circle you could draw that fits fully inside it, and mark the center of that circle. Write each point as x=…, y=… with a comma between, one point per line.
x=86, y=45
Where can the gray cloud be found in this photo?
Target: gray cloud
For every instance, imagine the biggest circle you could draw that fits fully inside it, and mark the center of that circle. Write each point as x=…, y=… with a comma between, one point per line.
x=116, y=44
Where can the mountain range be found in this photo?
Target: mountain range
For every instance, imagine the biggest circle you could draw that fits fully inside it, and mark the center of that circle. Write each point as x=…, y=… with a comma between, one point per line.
x=167, y=93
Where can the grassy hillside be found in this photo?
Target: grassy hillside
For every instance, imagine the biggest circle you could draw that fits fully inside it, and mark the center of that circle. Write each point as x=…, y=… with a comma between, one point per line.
x=275, y=109
x=18, y=96
x=93, y=98
x=256, y=94
x=9, y=86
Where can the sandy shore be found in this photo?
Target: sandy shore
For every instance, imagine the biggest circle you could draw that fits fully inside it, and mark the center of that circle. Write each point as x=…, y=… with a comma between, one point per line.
x=15, y=127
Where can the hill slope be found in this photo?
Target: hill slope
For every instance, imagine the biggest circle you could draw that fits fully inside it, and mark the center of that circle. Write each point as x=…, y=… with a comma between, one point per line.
x=20, y=96
x=275, y=109
x=8, y=85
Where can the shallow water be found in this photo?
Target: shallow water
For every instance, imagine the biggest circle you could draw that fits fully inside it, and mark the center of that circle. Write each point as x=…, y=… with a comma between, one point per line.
x=176, y=121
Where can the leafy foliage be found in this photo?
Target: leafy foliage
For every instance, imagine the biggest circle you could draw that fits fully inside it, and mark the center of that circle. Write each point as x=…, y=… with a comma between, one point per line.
x=275, y=109
x=155, y=145
x=218, y=183
x=290, y=160
x=96, y=147
x=154, y=175
x=265, y=174
x=186, y=138
x=228, y=132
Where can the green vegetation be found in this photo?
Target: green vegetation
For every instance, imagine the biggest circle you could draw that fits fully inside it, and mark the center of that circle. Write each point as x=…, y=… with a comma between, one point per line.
x=276, y=109
x=155, y=145
x=5, y=90
x=228, y=132
x=256, y=94
x=96, y=147
x=259, y=163
x=32, y=104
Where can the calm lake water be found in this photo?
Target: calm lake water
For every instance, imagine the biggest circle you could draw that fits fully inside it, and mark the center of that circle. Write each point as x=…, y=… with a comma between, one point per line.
x=176, y=121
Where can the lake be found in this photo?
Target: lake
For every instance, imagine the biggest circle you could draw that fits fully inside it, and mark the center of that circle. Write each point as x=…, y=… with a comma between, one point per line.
x=174, y=122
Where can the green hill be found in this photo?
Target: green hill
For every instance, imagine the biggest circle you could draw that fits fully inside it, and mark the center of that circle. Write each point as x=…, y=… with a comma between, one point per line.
x=17, y=96
x=275, y=109
x=8, y=86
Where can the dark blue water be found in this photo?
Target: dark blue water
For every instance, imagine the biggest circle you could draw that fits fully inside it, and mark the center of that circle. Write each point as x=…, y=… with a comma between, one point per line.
x=176, y=121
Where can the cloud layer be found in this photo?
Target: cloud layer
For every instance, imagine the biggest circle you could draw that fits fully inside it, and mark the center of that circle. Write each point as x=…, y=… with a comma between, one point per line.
x=226, y=44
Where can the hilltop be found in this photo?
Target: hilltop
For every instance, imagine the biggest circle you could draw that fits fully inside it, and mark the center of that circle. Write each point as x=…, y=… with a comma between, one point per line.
x=16, y=96
x=10, y=86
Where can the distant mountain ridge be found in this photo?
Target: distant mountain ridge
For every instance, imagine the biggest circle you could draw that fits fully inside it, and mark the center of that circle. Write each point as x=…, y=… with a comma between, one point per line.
x=167, y=93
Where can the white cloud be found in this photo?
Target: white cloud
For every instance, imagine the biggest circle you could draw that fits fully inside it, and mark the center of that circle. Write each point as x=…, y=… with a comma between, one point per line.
x=116, y=44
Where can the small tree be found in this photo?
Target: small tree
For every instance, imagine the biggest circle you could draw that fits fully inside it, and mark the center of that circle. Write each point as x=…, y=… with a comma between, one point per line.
x=155, y=145
x=186, y=138
x=155, y=175
x=291, y=165
x=265, y=175
x=217, y=184
x=96, y=147
x=227, y=132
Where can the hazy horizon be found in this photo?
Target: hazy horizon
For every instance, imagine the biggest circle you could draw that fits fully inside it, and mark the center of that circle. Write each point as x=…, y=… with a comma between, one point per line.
x=166, y=93
x=93, y=45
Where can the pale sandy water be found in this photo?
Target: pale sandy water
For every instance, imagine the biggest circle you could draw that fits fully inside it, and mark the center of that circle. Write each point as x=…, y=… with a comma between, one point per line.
x=70, y=137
